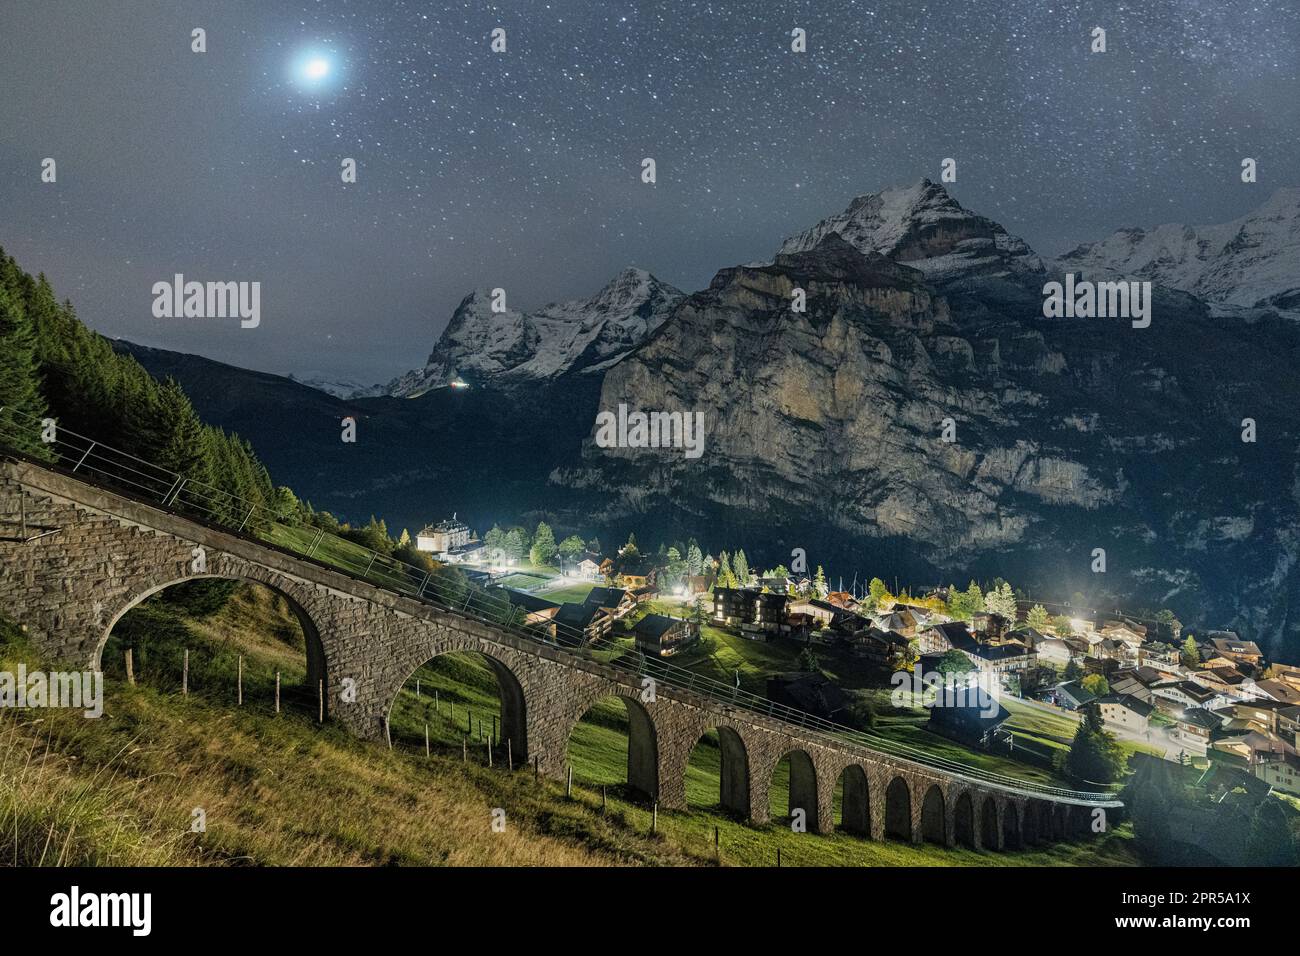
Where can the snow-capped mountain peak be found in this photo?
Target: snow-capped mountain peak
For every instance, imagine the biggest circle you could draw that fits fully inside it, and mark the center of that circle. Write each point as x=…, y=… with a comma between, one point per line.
x=1253, y=260
x=480, y=345
x=924, y=227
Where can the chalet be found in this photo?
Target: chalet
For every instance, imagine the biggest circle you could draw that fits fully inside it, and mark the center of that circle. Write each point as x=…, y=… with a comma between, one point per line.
x=1050, y=650
x=1281, y=771
x=1071, y=695
x=588, y=568
x=579, y=624
x=1124, y=711
x=616, y=602
x=536, y=610
x=845, y=600
x=1267, y=716
x=1234, y=648
x=938, y=638
x=884, y=648
x=1108, y=648
x=1156, y=653
x=1105, y=666
x=634, y=572
x=1079, y=647
x=1172, y=697
x=902, y=619
x=740, y=606
x=825, y=613
x=968, y=714
x=1288, y=673
x=643, y=594
x=1124, y=633
x=1279, y=690
x=777, y=585
x=989, y=626
x=812, y=693
x=663, y=636
x=606, y=569
x=1127, y=682
x=1001, y=659
x=1194, y=728
x=922, y=615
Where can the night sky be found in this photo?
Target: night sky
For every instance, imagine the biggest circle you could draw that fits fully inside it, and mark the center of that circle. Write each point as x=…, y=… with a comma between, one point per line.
x=522, y=169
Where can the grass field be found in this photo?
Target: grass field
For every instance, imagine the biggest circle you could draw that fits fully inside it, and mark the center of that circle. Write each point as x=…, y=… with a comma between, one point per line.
x=281, y=789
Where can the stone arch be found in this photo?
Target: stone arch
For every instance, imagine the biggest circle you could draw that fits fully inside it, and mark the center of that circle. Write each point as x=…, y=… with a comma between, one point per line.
x=317, y=665
x=963, y=821
x=989, y=829
x=855, y=804
x=733, y=769
x=1029, y=830
x=642, y=739
x=934, y=816
x=514, y=702
x=898, y=810
x=1012, y=838
x=803, y=786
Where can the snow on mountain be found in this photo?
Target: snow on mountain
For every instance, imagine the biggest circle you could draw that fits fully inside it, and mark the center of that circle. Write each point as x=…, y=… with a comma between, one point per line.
x=339, y=388
x=1251, y=261
x=923, y=227
x=582, y=335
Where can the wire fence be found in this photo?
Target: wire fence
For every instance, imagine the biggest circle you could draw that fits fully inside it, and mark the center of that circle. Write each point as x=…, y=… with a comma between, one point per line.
x=97, y=463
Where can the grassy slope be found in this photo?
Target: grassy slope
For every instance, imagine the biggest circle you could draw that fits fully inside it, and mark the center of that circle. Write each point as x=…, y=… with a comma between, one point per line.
x=281, y=789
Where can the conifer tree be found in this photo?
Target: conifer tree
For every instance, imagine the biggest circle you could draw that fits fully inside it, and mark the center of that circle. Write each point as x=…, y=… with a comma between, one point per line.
x=20, y=387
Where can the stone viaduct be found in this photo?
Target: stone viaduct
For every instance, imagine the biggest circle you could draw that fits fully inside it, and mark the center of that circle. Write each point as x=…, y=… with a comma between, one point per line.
x=110, y=552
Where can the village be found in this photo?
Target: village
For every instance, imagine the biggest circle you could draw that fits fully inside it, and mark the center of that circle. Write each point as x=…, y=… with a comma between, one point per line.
x=1206, y=700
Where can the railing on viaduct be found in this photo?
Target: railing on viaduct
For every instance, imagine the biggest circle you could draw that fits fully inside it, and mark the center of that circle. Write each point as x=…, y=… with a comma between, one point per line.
x=99, y=464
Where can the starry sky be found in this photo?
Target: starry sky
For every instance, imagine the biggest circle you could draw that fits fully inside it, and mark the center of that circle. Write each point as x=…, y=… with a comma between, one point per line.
x=522, y=169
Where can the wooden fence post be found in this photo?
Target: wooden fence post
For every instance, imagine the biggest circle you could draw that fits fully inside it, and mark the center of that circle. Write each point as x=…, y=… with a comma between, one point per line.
x=568, y=786
x=185, y=674
x=426, y=738
x=130, y=668
x=320, y=701
x=240, y=683
x=510, y=756
x=277, y=692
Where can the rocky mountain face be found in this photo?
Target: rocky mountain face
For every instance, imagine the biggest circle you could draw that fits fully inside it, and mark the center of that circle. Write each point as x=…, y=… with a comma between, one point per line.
x=826, y=429
x=1251, y=261
x=922, y=226
x=920, y=419
x=504, y=348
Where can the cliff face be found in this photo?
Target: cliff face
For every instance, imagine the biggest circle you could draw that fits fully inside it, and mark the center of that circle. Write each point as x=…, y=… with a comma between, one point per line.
x=1068, y=435
x=517, y=348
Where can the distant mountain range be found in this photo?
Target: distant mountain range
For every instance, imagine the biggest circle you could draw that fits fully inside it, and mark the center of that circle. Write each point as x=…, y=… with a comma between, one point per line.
x=1251, y=261
x=482, y=345
x=825, y=428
